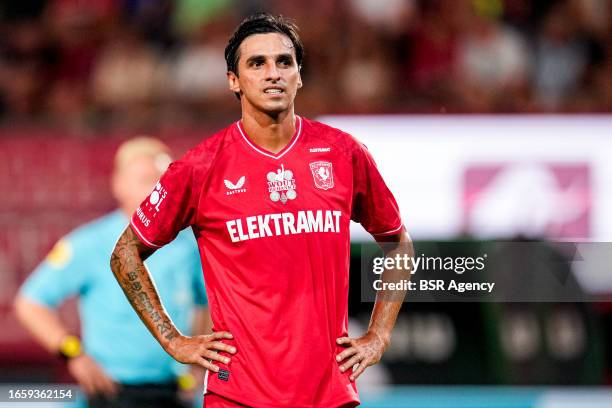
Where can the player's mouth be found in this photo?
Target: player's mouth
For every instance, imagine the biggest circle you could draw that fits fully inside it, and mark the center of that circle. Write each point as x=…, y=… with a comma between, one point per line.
x=274, y=90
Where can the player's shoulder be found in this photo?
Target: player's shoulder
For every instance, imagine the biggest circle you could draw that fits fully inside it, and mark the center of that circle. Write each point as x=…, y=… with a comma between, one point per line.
x=201, y=156
x=342, y=141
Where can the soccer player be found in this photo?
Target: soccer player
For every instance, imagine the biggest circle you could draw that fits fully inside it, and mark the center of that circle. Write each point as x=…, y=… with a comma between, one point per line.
x=119, y=363
x=269, y=199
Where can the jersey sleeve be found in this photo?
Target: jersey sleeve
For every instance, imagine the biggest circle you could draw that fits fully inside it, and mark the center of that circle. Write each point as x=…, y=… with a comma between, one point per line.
x=61, y=275
x=170, y=207
x=374, y=206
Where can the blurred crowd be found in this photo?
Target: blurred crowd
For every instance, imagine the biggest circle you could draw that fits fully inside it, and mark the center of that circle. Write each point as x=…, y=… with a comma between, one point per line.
x=151, y=63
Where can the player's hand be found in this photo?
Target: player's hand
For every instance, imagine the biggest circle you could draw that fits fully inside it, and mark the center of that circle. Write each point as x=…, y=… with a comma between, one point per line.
x=201, y=350
x=361, y=352
x=91, y=377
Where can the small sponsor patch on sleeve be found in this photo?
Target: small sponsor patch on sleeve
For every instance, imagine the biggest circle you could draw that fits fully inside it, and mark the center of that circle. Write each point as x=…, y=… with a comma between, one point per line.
x=60, y=255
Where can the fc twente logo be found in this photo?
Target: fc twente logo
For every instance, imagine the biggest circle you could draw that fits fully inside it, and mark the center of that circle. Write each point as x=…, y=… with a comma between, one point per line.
x=323, y=174
x=281, y=185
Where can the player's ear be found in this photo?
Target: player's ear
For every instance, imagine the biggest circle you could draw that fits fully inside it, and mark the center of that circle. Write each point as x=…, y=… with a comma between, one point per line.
x=232, y=80
x=299, y=81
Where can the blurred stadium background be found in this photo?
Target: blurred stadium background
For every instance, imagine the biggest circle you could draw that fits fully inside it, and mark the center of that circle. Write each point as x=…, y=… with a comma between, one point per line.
x=490, y=119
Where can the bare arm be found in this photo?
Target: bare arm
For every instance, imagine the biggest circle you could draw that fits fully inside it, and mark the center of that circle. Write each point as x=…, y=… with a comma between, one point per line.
x=47, y=328
x=127, y=264
x=389, y=302
x=368, y=349
x=134, y=278
x=42, y=322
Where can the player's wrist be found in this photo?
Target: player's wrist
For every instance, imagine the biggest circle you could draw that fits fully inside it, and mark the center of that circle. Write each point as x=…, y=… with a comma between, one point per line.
x=173, y=345
x=383, y=336
x=70, y=347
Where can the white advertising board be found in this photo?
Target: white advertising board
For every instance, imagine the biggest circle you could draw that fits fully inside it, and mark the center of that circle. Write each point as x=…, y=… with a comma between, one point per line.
x=494, y=176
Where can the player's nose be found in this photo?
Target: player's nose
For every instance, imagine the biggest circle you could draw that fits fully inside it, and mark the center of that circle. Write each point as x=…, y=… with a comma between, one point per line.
x=272, y=72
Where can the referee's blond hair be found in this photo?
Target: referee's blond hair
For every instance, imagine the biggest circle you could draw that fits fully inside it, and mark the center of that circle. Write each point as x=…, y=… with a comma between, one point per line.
x=142, y=146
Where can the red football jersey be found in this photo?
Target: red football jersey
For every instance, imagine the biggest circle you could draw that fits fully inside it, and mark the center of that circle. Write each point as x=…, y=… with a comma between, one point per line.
x=273, y=233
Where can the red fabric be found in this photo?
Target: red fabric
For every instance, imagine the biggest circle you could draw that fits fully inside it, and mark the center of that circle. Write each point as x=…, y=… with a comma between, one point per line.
x=276, y=272
x=216, y=401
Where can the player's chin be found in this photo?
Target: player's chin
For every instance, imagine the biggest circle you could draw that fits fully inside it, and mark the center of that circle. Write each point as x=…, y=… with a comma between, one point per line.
x=275, y=107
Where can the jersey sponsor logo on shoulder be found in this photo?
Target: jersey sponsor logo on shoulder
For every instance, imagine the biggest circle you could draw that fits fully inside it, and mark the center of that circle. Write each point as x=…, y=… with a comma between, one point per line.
x=235, y=188
x=152, y=204
x=158, y=196
x=281, y=185
x=319, y=149
x=142, y=217
x=322, y=174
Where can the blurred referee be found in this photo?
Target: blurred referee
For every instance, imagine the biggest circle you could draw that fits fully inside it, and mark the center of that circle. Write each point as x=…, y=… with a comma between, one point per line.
x=118, y=363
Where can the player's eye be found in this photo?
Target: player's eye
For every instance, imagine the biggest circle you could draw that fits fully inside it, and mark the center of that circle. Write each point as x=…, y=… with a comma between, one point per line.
x=285, y=62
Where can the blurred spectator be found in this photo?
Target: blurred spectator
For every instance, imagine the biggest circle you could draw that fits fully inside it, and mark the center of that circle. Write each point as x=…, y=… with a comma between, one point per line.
x=492, y=60
x=387, y=15
x=153, y=18
x=26, y=63
x=198, y=71
x=77, y=32
x=560, y=58
x=67, y=104
x=159, y=62
x=128, y=77
x=365, y=83
x=428, y=53
x=190, y=15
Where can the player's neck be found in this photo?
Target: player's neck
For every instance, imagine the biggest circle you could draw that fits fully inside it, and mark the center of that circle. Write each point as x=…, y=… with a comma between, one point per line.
x=269, y=133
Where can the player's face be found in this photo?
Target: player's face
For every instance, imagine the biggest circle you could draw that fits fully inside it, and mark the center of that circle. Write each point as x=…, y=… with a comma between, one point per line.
x=135, y=181
x=268, y=75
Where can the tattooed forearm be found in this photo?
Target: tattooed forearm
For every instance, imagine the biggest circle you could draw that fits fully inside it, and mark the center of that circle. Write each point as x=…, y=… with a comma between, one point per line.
x=134, y=278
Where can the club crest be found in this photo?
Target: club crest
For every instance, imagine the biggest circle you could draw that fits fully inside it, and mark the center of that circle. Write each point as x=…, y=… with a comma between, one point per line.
x=281, y=185
x=323, y=174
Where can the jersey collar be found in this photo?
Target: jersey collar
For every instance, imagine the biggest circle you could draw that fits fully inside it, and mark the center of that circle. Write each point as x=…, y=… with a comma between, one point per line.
x=285, y=150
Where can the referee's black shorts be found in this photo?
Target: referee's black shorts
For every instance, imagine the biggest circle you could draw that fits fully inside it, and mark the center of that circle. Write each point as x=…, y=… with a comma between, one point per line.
x=142, y=395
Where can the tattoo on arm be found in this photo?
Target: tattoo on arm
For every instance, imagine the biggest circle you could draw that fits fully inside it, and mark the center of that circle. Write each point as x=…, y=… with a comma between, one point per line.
x=134, y=278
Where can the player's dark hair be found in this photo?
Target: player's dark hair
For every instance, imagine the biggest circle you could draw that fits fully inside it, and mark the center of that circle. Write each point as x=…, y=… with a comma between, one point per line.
x=261, y=23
